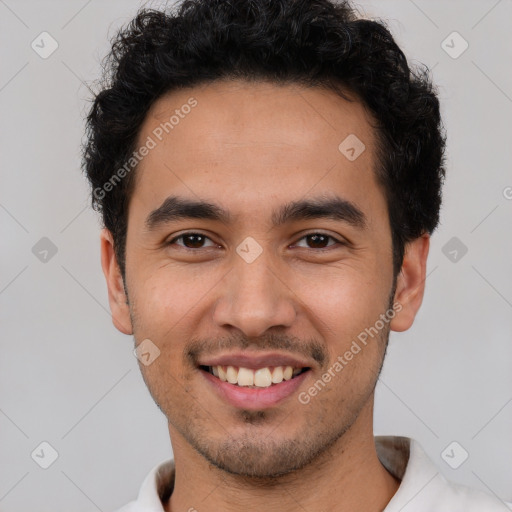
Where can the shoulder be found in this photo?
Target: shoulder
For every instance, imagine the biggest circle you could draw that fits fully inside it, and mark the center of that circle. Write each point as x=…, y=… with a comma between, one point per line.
x=154, y=491
x=423, y=487
x=466, y=499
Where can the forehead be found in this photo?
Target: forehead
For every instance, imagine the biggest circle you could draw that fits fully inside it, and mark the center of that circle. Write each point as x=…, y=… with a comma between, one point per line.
x=249, y=144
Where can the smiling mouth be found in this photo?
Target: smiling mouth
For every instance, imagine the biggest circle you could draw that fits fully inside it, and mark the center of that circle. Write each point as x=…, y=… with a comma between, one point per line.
x=254, y=378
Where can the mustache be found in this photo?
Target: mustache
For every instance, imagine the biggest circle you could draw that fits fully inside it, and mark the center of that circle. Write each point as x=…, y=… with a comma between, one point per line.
x=312, y=348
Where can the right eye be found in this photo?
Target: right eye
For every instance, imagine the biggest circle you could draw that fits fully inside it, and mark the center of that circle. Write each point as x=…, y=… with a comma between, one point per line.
x=191, y=241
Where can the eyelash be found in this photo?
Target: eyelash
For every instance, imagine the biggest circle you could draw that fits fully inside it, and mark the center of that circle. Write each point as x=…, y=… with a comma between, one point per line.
x=338, y=242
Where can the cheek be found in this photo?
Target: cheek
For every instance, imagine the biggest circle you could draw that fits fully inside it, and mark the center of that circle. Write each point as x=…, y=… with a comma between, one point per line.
x=167, y=301
x=342, y=301
x=344, y=309
x=167, y=295
x=170, y=305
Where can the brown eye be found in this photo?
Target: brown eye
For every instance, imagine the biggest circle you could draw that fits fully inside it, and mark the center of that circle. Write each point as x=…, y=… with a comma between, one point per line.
x=191, y=241
x=318, y=241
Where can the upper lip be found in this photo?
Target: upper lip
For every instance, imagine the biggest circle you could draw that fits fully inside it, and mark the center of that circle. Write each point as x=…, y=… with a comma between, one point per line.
x=254, y=361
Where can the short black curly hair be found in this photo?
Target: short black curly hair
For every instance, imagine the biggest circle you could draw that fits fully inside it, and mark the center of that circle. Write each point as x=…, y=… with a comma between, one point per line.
x=317, y=43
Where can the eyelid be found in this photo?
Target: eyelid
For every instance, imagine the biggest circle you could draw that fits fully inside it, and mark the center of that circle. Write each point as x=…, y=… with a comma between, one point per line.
x=339, y=241
x=181, y=235
x=304, y=235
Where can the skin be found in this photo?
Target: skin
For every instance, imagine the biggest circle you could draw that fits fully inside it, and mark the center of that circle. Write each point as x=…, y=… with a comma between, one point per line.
x=252, y=147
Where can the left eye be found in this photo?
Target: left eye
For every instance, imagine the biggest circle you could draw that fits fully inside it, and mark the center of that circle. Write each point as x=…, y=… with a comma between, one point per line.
x=197, y=240
x=319, y=240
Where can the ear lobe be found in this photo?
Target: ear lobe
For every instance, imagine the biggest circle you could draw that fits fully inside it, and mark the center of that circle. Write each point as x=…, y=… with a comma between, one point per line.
x=116, y=292
x=410, y=284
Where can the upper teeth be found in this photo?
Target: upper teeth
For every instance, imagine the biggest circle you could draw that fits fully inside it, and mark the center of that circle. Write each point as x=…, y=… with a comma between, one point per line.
x=261, y=378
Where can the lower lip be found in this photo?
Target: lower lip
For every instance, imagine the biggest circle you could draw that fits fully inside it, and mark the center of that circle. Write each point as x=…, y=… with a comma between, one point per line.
x=255, y=398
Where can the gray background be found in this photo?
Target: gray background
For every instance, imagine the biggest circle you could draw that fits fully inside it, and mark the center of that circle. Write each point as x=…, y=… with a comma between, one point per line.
x=69, y=378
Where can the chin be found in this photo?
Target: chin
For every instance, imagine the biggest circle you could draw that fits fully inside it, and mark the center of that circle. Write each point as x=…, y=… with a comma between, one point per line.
x=266, y=456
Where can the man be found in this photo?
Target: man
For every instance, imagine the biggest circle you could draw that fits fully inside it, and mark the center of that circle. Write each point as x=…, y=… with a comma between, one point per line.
x=269, y=174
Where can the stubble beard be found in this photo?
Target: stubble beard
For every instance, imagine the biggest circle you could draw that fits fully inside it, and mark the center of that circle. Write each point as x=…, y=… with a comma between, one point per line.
x=255, y=454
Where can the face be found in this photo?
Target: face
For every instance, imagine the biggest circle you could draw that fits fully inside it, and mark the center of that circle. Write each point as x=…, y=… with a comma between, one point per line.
x=257, y=248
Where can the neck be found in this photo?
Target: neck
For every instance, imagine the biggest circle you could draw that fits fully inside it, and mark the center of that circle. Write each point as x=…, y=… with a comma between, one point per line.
x=347, y=477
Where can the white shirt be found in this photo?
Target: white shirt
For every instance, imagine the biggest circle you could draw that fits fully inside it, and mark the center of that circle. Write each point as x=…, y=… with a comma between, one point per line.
x=422, y=489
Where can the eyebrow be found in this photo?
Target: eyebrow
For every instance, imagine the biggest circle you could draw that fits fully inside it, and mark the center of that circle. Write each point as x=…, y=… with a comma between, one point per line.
x=176, y=208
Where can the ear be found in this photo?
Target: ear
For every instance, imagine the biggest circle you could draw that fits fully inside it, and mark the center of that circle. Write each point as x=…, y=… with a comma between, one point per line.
x=410, y=284
x=116, y=293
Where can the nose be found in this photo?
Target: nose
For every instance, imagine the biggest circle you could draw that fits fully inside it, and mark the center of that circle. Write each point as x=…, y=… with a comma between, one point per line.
x=255, y=298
